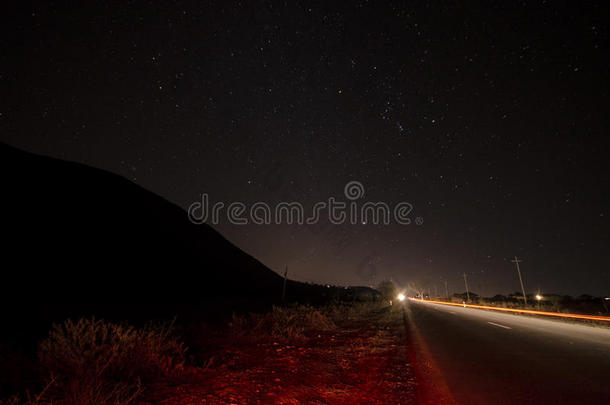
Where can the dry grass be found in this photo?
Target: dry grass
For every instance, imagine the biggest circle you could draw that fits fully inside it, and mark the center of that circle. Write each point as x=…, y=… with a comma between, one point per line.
x=298, y=322
x=282, y=323
x=92, y=361
x=342, y=312
x=30, y=399
x=96, y=362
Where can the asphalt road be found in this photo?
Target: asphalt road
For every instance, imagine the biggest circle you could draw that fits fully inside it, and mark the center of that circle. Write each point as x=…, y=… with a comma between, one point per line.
x=485, y=357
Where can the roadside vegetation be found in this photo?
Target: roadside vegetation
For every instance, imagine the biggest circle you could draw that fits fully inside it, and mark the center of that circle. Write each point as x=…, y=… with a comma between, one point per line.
x=91, y=361
x=296, y=353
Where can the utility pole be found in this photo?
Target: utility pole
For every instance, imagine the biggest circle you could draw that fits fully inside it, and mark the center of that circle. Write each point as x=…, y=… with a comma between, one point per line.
x=466, y=284
x=517, y=261
x=435, y=291
x=284, y=286
x=446, y=290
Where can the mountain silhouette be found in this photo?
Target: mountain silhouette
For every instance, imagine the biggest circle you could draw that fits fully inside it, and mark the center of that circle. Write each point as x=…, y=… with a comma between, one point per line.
x=81, y=241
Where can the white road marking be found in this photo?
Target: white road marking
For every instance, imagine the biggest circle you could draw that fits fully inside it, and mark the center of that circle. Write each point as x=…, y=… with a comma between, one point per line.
x=501, y=326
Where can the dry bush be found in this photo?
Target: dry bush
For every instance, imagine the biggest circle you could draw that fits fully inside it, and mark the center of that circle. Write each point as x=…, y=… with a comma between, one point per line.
x=97, y=362
x=29, y=399
x=282, y=323
x=344, y=312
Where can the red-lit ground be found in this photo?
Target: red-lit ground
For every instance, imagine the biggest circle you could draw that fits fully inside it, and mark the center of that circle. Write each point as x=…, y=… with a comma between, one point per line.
x=363, y=360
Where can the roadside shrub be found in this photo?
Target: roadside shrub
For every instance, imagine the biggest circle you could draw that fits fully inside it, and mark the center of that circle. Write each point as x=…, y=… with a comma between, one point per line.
x=282, y=323
x=341, y=312
x=387, y=289
x=29, y=399
x=98, y=362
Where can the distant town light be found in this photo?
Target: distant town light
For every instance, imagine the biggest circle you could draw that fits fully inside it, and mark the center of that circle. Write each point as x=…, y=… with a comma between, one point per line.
x=538, y=297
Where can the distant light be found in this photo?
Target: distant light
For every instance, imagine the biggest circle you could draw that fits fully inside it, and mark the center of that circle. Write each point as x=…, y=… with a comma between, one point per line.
x=538, y=297
x=401, y=297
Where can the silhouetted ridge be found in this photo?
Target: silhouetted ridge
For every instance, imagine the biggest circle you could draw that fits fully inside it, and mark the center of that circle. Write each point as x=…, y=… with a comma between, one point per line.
x=79, y=239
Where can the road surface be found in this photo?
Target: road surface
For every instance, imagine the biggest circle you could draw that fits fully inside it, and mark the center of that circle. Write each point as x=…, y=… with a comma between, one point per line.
x=473, y=356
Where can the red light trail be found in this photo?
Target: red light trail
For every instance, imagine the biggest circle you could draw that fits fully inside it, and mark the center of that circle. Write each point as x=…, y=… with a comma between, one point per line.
x=523, y=311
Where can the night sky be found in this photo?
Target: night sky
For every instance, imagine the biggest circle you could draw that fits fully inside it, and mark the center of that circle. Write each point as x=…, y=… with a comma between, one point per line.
x=492, y=121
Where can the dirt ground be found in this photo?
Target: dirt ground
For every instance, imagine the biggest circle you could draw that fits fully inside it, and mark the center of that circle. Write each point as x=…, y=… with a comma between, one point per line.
x=361, y=361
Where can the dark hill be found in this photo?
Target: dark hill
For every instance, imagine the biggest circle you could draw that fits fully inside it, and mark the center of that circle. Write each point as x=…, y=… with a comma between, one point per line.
x=81, y=241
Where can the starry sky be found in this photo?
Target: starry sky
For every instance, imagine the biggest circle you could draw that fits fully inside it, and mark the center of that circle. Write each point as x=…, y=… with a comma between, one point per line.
x=491, y=120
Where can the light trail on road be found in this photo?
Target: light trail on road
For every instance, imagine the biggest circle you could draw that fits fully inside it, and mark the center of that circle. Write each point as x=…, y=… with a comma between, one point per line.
x=521, y=311
x=495, y=357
